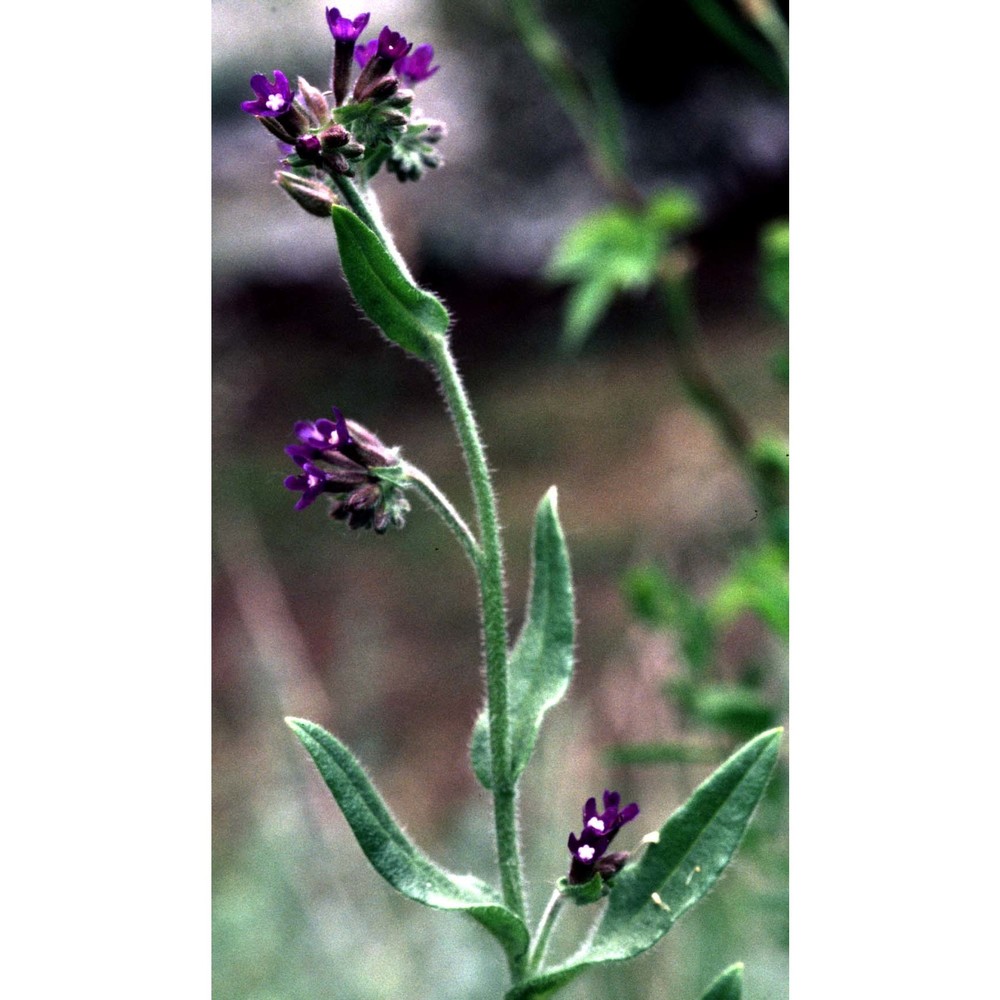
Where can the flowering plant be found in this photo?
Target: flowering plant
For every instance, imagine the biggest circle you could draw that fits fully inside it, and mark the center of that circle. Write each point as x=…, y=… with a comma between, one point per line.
x=335, y=143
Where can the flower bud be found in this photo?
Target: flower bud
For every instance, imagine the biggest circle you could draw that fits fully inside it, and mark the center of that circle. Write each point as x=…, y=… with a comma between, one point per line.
x=334, y=137
x=314, y=101
x=352, y=150
x=309, y=148
x=314, y=196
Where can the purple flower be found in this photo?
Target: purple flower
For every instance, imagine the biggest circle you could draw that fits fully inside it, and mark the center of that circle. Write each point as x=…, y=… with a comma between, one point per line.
x=324, y=435
x=363, y=53
x=273, y=99
x=416, y=67
x=599, y=829
x=352, y=457
x=344, y=29
x=311, y=484
x=392, y=45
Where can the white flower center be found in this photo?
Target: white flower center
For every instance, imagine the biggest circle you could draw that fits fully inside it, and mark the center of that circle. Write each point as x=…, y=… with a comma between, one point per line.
x=585, y=853
x=596, y=824
x=313, y=481
x=275, y=102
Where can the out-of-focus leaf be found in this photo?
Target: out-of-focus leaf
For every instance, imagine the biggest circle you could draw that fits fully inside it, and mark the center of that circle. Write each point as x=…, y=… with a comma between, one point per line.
x=671, y=875
x=663, y=603
x=406, y=314
x=392, y=854
x=661, y=753
x=738, y=710
x=774, y=266
x=759, y=584
x=614, y=250
x=728, y=986
x=541, y=662
x=673, y=211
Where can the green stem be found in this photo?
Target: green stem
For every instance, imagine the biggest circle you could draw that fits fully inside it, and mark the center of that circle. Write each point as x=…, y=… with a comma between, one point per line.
x=540, y=942
x=443, y=507
x=494, y=629
x=587, y=97
x=357, y=204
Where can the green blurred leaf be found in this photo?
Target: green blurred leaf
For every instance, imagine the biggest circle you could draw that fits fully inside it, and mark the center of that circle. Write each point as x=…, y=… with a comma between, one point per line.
x=392, y=854
x=661, y=753
x=406, y=314
x=611, y=251
x=663, y=603
x=541, y=662
x=694, y=847
x=759, y=584
x=733, y=708
x=673, y=211
x=729, y=985
x=774, y=249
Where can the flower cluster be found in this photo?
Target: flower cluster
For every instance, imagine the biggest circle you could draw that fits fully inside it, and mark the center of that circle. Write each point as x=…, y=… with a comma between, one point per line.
x=364, y=128
x=599, y=829
x=346, y=460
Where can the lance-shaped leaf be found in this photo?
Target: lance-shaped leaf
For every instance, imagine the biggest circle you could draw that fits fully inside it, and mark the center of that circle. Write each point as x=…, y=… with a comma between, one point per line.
x=672, y=874
x=393, y=855
x=542, y=660
x=406, y=314
x=728, y=986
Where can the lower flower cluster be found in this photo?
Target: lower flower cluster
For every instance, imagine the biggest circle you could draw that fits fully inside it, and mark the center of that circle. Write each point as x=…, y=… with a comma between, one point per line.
x=589, y=849
x=344, y=459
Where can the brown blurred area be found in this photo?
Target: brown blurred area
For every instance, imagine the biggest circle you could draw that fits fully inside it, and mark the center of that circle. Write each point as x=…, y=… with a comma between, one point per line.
x=376, y=638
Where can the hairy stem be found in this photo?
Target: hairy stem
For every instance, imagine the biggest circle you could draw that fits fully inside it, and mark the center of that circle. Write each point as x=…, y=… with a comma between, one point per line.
x=494, y=615
x=540, y=942
x=439, y=503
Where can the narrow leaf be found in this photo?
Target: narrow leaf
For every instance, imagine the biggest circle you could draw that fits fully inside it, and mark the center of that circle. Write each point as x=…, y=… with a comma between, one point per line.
x=393, y=855
x=406, y=314
x=694, y=846
x=542, y=659
x=729, y=985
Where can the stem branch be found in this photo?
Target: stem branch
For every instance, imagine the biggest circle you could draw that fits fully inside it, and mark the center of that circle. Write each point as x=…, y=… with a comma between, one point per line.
x=540, y=942
x=438, y=502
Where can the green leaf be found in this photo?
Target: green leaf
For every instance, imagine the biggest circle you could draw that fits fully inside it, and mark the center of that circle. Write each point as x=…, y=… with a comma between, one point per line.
x=661, y=753
x=733, y=708
x=541, y=663
x=392, y=854
x=611, y=251
x=406, y=314
x=728, y=986
x=673, y=211
x=662, y=602
x=774, y=250
x=758, y=583
x=671, y=875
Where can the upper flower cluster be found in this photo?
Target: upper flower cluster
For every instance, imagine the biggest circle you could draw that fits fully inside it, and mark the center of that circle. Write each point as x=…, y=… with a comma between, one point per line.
x=351, y=457
x=366, y=126
x=599, y=829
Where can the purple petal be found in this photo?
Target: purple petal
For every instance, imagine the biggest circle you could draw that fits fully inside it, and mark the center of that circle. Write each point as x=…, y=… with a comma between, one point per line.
x=281, y=85
x=611, y=799
x=628, y=814
x=259, y=85
x=296, y=483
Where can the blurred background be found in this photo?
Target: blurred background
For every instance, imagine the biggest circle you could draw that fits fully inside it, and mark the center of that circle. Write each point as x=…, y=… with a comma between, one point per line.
x=376, y=638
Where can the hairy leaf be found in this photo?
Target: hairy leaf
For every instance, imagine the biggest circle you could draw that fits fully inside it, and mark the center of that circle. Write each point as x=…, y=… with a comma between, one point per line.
x=392, y=854
x=542, y=659
x=406, y=314
x=671, y=875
